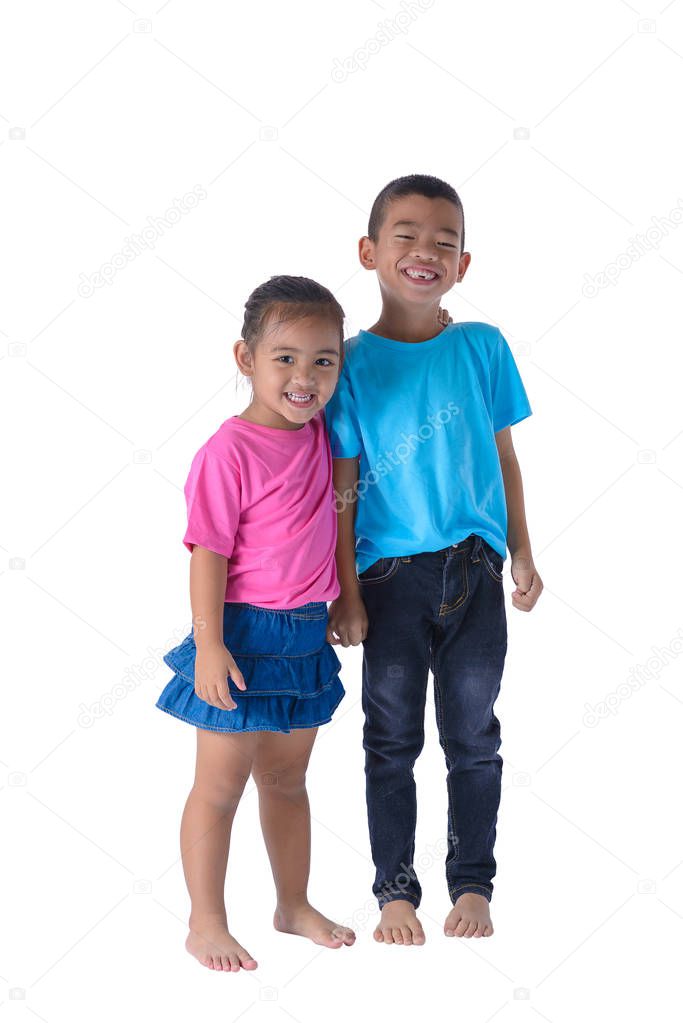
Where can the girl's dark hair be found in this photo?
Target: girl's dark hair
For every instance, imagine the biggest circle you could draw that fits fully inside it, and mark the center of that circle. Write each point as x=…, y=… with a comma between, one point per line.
x=412, y=184
x=285, y=299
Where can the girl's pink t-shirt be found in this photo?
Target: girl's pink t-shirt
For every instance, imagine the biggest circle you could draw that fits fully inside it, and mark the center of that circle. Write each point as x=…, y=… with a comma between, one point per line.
x=263, y=498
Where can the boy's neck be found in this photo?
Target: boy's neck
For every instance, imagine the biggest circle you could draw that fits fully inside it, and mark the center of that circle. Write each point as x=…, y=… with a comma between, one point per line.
x=410, y=325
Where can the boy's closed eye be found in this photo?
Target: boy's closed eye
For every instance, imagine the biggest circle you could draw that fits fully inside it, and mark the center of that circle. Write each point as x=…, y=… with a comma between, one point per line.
x=446, y=245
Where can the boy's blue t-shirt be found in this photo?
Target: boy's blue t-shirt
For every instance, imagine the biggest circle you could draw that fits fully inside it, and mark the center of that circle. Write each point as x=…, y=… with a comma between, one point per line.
x=423, y=418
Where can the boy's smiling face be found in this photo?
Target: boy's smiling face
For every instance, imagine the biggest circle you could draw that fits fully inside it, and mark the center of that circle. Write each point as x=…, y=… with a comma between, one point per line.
x=417, y=253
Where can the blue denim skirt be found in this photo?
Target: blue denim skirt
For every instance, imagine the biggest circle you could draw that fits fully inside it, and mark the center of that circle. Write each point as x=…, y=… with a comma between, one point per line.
x=289, y=668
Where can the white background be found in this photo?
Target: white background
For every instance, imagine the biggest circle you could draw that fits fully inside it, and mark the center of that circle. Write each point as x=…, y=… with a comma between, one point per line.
x=559, y=125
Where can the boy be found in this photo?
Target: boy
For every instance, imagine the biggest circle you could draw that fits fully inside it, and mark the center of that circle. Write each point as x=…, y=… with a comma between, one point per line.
x=423, y=524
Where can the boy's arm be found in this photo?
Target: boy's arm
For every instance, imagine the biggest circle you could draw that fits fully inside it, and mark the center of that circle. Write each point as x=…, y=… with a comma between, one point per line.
x=347, y=621
x=529, y=582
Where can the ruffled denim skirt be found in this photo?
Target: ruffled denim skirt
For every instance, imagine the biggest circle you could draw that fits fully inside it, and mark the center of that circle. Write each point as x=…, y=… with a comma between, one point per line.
x=290, y=671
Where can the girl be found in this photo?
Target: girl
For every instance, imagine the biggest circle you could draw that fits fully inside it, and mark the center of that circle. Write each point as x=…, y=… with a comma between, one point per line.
x=256, y=676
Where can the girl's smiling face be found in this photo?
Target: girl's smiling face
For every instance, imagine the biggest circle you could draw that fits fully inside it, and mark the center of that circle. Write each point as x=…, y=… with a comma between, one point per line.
x=417, y=252
x=293, y=368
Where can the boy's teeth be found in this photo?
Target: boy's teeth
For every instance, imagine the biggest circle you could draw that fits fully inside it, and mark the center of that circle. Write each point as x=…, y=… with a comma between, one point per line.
x=425, y=274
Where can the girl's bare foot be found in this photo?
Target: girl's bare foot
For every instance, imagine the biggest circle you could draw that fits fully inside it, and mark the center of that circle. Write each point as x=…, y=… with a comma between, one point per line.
x=469, y=918
x=399, y=925
x=213, y=945
x=307, y=922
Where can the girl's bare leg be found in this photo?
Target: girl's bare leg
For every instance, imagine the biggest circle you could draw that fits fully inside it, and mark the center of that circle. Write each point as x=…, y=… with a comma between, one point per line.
x=223, y=766
x=279, y=770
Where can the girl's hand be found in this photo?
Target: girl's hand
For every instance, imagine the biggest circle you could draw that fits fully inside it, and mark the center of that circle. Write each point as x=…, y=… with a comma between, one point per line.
x=213, y=664
x=443, y=317
x=347, y=621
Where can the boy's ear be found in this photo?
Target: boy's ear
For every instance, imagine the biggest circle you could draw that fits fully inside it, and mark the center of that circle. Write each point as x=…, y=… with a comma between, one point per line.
x=463, y=264
x=366, y=252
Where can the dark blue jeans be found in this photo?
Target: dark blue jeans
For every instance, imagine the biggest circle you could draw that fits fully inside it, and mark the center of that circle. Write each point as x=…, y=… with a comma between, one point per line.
x=444, y=611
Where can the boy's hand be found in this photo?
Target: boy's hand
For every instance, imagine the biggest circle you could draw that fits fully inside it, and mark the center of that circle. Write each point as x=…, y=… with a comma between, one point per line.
x=213, y=664
x=529, y=582
x=347, y=621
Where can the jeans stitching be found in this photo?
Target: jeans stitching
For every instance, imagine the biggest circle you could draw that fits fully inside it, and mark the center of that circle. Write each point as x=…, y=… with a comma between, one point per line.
x=489, y=566
x=466, y=585
x=292, y=612
x=393, y=568
x=443, y=737
x=470, y=884
x=210, y=728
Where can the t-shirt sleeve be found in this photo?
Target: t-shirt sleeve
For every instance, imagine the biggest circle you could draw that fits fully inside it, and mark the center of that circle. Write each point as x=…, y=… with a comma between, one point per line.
x=509, y=400
x=213, y=494
x=341, y=419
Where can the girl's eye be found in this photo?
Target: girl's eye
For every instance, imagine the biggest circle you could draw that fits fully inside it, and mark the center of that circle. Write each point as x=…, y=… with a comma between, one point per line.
x=326, y=361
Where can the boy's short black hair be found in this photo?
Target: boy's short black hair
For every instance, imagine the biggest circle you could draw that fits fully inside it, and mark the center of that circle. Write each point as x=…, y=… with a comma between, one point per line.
x=412, y=184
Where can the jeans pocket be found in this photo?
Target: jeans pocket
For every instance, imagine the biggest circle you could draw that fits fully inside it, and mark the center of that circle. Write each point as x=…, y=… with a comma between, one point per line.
x=380, y=570
x=492, y=561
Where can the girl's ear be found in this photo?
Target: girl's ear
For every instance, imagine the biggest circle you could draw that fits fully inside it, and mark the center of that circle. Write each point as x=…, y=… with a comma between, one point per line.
x=243, y=357
x=366, y=252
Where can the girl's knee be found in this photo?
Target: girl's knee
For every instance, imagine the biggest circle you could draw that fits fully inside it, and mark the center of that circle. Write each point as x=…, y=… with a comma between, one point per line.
x=223, y=792
x=273, y=777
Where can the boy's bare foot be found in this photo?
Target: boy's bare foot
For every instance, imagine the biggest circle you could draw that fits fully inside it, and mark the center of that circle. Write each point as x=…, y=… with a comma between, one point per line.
x=399, y=925
x=469, y=918
x=307, y=922
x=213, y=945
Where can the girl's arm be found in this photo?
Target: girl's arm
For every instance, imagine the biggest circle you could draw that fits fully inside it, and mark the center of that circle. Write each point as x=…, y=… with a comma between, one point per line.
x=347, y=615
x=208, y=579
x=214, y=662
x=345, y=478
